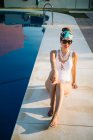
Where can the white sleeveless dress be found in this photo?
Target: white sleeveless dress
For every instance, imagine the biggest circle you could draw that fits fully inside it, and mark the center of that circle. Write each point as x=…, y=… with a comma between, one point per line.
x=64, y=74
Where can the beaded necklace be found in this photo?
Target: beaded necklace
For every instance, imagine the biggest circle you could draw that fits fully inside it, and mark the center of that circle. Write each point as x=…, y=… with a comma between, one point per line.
x=63, y=58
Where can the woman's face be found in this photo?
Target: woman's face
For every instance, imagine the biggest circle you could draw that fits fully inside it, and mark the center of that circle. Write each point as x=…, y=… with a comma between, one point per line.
x=65, y=43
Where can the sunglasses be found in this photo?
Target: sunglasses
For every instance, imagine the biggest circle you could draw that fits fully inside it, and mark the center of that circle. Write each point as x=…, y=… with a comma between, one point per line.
x=67, y=41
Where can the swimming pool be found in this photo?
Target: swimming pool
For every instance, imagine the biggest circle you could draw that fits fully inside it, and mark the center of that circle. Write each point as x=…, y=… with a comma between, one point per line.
x=19, y=44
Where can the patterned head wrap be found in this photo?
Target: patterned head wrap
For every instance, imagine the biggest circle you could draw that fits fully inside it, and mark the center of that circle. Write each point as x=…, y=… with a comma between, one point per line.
x=66, y=34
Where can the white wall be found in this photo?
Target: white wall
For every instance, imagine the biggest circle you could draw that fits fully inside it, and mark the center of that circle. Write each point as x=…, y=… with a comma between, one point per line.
x=82, y=3
x=70, y=3
x=55, y=3
x=19, y=3
x=63, y=3
x=59, y=3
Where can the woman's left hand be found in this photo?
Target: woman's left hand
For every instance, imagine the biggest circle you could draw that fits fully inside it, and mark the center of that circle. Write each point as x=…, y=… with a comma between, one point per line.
x=74, y=85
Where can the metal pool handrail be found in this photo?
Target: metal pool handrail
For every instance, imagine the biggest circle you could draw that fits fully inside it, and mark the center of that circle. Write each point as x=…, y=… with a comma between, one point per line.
x=44, y=11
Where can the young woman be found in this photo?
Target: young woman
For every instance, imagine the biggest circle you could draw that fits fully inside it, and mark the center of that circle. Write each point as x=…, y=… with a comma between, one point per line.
x=63, y=74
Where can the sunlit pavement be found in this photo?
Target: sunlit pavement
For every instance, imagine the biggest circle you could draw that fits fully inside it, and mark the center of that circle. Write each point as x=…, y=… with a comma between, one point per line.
x=76, y=119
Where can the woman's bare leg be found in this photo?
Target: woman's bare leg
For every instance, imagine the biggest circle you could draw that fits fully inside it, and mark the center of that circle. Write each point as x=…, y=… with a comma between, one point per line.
x=61, y=90
x=59, y=101
x=52, y=100
x=51, y=89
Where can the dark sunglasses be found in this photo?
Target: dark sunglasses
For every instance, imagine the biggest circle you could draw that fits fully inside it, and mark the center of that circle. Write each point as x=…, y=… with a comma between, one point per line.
x=67, y=41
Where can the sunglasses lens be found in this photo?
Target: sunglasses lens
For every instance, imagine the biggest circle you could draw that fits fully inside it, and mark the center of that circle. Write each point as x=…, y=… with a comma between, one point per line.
x=67, y=41
x=64, y=41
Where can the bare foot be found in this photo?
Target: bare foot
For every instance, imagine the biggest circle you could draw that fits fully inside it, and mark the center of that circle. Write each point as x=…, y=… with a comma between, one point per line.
x=54, y=121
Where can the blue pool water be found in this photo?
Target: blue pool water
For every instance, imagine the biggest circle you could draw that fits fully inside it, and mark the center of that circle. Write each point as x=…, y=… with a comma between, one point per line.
x=19, y=45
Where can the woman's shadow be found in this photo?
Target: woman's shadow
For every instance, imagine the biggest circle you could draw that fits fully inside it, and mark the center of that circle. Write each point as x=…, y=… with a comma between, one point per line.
x=33, y=114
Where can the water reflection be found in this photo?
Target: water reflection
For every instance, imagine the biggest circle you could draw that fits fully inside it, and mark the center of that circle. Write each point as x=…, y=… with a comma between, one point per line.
x=11, y=38
x=26, y=19
x=19, y=46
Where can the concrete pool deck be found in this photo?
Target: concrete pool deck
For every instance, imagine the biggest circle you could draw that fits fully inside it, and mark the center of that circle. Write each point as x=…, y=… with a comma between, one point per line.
x=76, y=121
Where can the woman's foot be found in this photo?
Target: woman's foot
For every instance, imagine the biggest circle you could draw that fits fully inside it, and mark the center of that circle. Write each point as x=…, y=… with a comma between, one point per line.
x=54, y=121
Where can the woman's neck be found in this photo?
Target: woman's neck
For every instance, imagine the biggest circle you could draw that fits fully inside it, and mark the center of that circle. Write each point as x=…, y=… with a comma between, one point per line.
x=64, y=51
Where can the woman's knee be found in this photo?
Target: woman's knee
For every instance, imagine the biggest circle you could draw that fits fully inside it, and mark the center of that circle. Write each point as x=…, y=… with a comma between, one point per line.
x=47, y=84
x=60, y=88
x=60, y=85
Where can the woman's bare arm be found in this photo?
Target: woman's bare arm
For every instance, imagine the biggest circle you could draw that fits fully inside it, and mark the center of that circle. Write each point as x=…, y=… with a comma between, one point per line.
x=53, y=76
x=53, y=60
x=74, y=70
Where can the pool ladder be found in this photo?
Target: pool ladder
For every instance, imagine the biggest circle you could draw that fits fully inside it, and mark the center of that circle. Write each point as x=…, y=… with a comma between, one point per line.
x=44, y=12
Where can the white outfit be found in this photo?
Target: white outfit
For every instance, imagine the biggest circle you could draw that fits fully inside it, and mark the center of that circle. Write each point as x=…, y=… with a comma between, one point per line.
x=64, y=74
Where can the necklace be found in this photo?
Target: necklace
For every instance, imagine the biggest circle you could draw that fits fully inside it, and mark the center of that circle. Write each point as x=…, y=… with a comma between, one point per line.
x=63, y=58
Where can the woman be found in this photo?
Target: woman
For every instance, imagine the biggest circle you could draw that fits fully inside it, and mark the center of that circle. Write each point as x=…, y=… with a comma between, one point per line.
x=63, y=74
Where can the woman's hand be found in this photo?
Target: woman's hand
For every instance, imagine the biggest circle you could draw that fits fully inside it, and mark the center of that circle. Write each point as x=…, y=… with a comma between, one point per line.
x=54, y=76
x=74, y=85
